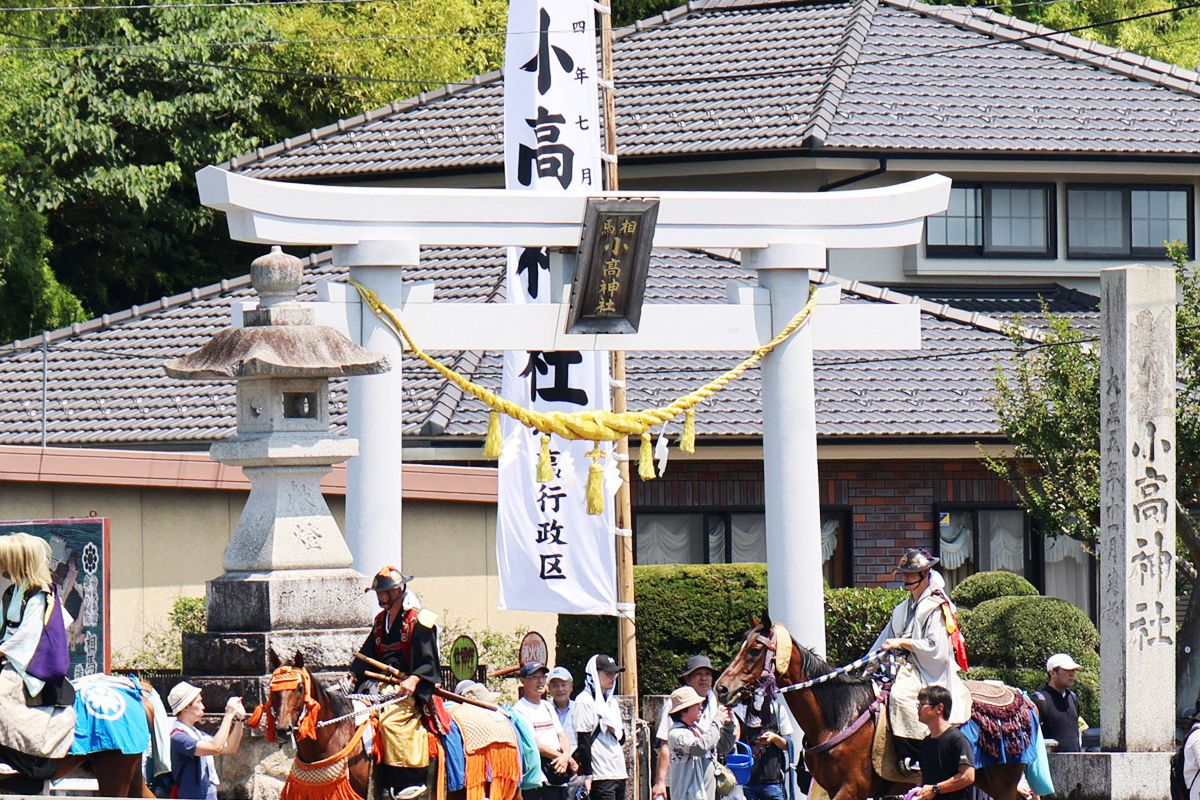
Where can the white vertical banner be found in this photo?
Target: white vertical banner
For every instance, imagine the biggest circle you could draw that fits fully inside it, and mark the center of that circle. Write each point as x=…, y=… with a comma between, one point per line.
x=550, y=553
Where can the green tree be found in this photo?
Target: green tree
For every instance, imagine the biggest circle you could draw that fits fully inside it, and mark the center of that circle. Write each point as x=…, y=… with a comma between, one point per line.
x=1047, y=402
x=406, y=47
x=111, y=138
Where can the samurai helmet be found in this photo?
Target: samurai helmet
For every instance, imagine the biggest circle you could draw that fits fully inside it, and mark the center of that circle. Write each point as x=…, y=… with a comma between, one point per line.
x=388, y=578
x=915, y=560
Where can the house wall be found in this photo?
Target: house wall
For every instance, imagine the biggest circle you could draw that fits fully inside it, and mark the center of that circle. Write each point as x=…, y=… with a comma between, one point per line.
x=166, y=543
x=891, y=502
x=893, y=266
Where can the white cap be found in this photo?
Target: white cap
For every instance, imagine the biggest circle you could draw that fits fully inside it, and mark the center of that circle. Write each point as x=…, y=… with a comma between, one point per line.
x=1061, y=661
x=181, y=696
x=561, y=674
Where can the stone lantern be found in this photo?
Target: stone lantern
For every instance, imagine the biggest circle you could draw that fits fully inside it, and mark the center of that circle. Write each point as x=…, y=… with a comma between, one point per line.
x=287, y=584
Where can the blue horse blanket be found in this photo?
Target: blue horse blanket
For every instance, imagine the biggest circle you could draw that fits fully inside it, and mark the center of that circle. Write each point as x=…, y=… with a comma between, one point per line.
x=109, y=716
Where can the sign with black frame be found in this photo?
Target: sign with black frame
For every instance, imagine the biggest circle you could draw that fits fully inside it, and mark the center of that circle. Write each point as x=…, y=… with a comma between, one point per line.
x=610, y=275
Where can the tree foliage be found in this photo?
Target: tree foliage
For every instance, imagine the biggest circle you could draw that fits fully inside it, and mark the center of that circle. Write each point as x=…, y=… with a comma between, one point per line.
x=1047, y=402
x=105, y=116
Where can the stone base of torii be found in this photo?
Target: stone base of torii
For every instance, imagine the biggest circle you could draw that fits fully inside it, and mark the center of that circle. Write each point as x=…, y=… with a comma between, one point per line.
x=781, y=235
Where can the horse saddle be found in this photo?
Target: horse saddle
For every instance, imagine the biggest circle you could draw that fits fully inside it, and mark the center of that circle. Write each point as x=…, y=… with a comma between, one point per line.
x=1004, y=718
x=883, y=749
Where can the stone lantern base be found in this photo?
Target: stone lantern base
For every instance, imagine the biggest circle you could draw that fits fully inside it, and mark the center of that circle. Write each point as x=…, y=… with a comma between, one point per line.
x=321, y=613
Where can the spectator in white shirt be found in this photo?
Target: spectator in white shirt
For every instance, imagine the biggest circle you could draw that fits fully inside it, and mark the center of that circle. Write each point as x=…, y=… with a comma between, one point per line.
x=561, y=684
x=557, y=764
x=601, y=731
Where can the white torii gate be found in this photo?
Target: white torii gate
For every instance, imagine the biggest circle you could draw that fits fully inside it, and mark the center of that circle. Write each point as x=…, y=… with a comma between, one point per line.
x=782, y=235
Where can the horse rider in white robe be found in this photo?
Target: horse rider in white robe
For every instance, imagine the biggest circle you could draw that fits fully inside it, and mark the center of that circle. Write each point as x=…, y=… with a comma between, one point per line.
x=920, y=631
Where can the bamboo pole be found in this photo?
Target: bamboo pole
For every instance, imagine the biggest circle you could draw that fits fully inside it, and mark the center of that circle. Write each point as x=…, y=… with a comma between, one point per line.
x=626, y=630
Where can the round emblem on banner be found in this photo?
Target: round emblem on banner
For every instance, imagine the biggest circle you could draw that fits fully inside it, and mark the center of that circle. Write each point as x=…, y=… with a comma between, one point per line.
x=533, y=648
x=104, y=702
x=464, y=658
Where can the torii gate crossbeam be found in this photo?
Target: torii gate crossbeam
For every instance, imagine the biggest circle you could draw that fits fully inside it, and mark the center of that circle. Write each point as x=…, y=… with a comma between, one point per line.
x=782, y=235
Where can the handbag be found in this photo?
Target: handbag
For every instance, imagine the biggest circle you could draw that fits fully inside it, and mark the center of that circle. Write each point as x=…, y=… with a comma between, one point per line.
x=726, y=783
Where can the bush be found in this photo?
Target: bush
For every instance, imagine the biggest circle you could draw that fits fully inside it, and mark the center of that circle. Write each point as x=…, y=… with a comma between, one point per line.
x=983, y=586
x=162, y=645
x=1087, y=683
x=854, y=618
x=1025, y=631
x=687, y=609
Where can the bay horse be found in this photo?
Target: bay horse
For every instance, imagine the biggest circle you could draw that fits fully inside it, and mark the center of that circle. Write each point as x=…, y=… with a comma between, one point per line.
x=828, y=710
x=295, y=704
x=117, y=774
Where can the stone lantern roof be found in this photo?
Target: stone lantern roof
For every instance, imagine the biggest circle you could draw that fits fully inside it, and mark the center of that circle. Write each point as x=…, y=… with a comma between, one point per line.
x=280, y=338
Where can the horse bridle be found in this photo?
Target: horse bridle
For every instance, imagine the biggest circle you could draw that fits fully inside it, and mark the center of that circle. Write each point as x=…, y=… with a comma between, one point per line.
x=286, y=679
x=770, y=647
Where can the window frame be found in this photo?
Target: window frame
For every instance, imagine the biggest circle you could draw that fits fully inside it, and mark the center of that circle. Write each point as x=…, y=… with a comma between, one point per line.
x=1127, y=219
x=1032, y=568
x=982, y=250
x=708, y=512
x=1034, y=546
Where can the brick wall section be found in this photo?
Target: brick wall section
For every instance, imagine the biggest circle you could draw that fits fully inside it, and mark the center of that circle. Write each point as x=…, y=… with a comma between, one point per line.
x=891, y=502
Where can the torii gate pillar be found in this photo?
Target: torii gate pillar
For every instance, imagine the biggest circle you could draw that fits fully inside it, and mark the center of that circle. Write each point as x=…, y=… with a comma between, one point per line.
x=793, y=507
x=374, y=414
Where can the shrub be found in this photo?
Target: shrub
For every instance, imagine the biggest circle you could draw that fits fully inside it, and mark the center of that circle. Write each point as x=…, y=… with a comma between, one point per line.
x=854, y=618
x=1025, y=631
x=161, y=647
x=687, y=609
x=983, y=586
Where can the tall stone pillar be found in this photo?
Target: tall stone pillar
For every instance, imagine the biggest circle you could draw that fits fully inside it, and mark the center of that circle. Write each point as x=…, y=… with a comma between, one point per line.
x=1137, y=509
x=1137, y=545
x=793, y=509
x=375, y=414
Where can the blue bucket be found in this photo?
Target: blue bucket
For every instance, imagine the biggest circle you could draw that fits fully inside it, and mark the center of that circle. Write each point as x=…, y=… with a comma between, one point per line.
x=740, y=762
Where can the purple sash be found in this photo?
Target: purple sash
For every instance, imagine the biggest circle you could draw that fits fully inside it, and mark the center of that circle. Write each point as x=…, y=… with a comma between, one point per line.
x=51, y=658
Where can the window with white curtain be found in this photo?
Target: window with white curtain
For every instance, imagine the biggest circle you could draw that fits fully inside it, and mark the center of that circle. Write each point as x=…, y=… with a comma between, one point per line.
x=1005, y=220
x=731, y=537
x=1068, y=572
x=974, y=540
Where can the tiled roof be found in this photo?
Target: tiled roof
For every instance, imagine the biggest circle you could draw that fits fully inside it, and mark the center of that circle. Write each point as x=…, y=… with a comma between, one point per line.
x=737, y=76
x=105, y=384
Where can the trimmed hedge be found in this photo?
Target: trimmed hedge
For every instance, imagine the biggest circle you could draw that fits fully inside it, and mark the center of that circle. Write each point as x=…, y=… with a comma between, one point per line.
x=983, y=586
x=1024, y=631
x=706, y=608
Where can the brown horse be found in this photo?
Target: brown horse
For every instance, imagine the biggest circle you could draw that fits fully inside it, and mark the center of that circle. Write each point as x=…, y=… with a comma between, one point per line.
x=829, y=709
x=118, y=774
x=293, y=691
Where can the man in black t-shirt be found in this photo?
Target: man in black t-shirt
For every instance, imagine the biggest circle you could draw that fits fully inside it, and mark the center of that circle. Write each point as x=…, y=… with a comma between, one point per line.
x=947, y=760
x=1058, y=705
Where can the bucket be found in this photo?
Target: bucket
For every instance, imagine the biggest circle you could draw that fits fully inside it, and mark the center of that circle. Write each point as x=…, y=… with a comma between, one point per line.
x=740, y=762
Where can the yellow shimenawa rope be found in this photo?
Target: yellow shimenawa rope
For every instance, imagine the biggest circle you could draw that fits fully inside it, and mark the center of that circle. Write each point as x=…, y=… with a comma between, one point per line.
x=591, y=425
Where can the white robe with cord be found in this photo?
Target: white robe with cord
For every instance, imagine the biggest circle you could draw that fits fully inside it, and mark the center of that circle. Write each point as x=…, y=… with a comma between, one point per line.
x=931, y=661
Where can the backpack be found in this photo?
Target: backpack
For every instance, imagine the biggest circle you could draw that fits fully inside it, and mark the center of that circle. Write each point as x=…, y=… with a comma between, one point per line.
x=1180, y=790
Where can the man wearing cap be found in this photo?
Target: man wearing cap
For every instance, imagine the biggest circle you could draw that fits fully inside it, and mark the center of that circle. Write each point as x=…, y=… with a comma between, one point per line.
x=404, y=637
x=1058, y=705
x=561, y=684
x=697, y=673
x=193, y=771
x=600, y=730
x=553, y=746
x=919, y=631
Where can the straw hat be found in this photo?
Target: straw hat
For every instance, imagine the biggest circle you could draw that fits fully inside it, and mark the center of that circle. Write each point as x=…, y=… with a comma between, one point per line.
x=684, y=697
x=181, y=696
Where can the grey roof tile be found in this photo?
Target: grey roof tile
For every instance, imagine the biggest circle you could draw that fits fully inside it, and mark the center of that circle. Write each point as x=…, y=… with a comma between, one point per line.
x=734, y=76
x=106, y=386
